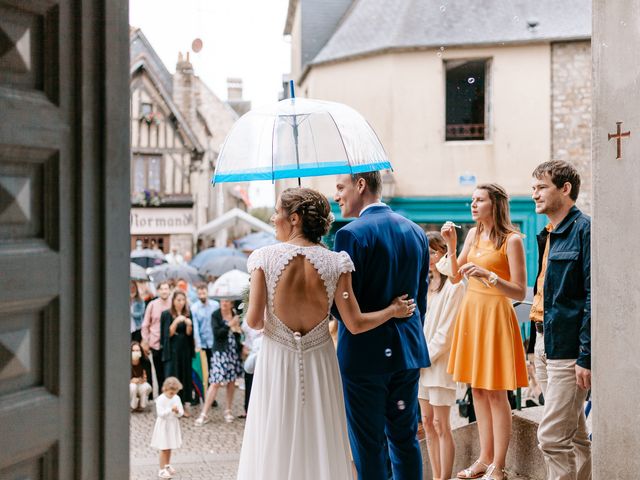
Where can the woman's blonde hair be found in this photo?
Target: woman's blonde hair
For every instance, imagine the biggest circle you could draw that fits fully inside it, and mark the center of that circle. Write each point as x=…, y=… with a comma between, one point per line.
x=502, y=226
x=171, y=383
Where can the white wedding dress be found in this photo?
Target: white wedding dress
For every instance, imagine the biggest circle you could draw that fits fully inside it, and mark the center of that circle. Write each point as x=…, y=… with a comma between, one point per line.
x=296, y=424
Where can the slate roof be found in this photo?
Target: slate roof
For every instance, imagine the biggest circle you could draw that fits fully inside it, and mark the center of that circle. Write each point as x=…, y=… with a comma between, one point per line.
x=146, y=59
x=373, y=26
x=139, y=47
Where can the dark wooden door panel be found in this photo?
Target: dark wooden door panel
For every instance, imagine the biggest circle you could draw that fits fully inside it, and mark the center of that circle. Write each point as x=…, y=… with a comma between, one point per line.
x=64, y=185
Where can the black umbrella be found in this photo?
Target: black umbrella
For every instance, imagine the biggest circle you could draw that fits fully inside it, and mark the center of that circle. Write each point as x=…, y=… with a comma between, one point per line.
x=147, y=257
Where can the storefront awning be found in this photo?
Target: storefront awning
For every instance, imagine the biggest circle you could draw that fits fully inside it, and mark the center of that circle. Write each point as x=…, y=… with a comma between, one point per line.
x=230, y=218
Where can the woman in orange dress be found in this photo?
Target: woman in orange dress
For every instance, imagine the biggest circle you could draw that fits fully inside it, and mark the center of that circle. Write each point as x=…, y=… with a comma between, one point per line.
x=487, y=350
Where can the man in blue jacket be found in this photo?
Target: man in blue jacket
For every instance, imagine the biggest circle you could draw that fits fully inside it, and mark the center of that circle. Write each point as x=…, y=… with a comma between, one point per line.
x=380, y=368
x=561, y=313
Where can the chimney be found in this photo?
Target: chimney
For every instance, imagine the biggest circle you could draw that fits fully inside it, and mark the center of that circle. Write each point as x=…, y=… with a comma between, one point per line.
x=234, y=89
x=184, y=64
x=234, y=96
x=184, y=87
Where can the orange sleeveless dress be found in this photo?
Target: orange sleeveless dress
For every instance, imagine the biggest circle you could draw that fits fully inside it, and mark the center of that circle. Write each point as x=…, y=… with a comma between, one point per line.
x=487, y=350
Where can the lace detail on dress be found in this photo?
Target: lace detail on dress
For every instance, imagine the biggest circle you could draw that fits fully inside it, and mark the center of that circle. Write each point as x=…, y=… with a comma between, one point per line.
x=329, y=265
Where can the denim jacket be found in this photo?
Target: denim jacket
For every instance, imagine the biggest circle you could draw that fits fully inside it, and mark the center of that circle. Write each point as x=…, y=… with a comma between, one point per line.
x=567, y=289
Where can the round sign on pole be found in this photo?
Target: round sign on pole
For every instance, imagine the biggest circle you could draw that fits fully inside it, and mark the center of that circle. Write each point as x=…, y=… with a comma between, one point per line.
x=196, y=45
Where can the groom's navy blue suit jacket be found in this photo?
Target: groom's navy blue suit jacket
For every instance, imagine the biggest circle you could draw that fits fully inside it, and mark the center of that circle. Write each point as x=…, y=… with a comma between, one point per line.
x=391, y=257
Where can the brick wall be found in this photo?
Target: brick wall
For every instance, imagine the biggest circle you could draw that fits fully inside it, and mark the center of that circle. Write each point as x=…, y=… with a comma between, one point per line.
x=571, y=111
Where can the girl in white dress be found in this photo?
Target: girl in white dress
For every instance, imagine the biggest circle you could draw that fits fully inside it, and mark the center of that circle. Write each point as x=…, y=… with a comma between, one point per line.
x=166, y=433
x=296, y=426
x=436, y=389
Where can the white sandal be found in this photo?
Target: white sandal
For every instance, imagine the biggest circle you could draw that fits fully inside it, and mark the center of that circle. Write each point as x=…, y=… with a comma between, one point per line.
x=468, y=472
x=488, y=475
x=201, y=420
x=228, y=416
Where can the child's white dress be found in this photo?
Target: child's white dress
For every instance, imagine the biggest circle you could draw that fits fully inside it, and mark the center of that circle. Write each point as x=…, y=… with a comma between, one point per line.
x=166, y=433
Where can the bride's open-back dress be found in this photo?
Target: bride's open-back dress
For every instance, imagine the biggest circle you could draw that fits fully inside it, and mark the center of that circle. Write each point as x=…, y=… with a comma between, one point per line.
x=296, y=423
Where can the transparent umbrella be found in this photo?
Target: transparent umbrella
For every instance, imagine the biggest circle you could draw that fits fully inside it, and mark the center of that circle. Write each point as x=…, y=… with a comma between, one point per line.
x=205, y=255
x=136, y=272
x=299, y=137
x=174, y=272
x=230, y=286
x=219, y=265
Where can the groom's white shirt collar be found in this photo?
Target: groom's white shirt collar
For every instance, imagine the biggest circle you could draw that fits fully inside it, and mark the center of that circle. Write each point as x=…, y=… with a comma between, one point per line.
x=375, y=204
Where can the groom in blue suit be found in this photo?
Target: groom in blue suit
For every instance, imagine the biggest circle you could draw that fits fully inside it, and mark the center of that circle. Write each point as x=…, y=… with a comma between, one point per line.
x=381, y=367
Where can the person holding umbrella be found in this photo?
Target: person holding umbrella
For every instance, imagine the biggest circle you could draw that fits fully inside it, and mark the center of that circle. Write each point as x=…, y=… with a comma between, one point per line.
x=226, y=365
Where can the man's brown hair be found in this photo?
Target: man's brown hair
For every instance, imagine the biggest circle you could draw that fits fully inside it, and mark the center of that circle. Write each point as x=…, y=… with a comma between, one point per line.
x=560, y=173
x=372, y=179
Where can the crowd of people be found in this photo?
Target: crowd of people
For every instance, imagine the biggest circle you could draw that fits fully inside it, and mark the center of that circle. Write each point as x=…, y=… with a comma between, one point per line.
x=169, y=337
x=417, y=314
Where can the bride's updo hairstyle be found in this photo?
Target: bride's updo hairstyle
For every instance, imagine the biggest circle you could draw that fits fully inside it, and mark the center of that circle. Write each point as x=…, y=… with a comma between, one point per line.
x=313, y=208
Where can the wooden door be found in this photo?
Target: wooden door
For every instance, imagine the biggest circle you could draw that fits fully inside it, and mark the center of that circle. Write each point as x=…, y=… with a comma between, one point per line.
x=64, y=194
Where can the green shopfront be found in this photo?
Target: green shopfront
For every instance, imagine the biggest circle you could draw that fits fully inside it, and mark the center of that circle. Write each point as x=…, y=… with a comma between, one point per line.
x=431, y=212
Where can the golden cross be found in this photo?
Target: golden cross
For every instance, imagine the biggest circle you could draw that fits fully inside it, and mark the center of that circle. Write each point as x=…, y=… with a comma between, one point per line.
x=618, y=136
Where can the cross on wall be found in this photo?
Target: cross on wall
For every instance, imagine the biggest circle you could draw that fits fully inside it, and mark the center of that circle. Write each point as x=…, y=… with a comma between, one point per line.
x=618, y=136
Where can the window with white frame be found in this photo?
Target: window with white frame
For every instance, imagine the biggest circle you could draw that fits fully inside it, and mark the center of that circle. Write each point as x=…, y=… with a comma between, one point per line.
x=147, y=173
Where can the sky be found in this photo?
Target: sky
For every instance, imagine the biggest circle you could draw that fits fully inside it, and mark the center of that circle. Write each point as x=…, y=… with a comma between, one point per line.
x=241, y=38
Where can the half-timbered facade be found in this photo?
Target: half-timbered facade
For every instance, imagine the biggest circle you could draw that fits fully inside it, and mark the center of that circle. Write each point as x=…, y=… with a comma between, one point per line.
x=177, y=127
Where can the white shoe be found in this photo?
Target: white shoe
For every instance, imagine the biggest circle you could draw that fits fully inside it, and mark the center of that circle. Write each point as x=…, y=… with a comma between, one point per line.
x=170, y=469
x=201, y=420
x=228, y=416
x=164, y=474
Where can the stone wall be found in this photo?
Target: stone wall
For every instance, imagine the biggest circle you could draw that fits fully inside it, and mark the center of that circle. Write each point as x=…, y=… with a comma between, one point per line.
x=571, y=111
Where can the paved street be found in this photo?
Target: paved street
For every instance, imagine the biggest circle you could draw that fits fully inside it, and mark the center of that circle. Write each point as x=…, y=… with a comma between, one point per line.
x=210, y=452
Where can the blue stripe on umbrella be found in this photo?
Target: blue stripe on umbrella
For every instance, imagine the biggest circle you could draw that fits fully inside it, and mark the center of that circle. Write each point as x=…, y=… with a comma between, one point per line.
x=293, y=171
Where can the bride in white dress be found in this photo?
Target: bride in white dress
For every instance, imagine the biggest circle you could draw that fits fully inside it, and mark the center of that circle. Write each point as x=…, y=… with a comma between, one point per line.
x=296, y=425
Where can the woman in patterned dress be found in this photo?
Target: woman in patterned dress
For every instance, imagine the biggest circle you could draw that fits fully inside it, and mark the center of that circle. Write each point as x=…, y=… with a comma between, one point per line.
x=226, y=364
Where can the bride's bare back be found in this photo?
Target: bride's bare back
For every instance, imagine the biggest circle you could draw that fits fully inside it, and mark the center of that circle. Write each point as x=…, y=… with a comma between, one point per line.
x=300, y=299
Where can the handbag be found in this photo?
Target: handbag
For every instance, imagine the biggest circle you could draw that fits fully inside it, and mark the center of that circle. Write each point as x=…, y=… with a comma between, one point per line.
x=465, y=404
x=444, y=266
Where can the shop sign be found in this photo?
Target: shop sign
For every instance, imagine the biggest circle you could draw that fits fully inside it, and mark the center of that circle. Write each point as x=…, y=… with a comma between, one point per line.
x=145, y=221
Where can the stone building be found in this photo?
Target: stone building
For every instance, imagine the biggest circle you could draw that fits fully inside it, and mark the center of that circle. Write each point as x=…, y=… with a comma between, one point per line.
x=571, y=68
x=460, y=93
x=177, y=128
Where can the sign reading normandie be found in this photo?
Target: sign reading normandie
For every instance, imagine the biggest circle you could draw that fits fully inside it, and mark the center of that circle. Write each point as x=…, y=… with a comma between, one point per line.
x=145, y=221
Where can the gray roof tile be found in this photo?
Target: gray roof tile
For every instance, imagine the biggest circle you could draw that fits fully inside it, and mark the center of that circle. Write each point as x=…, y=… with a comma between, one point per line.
x=378, y=25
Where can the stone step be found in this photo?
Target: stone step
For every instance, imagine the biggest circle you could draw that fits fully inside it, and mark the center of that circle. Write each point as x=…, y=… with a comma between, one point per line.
x=524, y=459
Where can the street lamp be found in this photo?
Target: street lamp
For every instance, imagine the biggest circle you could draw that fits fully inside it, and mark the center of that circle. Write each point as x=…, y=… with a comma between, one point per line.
x=388, y=185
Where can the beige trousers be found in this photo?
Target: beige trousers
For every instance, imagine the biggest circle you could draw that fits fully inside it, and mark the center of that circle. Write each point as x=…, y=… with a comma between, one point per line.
x=562, y=434
x=139, y=394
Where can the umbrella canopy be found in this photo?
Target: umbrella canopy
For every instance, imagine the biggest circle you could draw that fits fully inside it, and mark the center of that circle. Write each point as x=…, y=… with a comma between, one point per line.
x=174, y=272
x=147, y=257
x=299, y=137
x=136, y=272
x=254, y=241
x=219, y=265
x=230, y=286
x=201, y=258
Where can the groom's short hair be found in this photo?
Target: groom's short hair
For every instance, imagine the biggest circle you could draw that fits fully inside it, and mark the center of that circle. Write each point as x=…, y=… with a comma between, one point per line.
x=372, y=179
